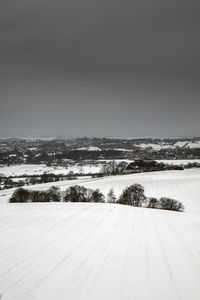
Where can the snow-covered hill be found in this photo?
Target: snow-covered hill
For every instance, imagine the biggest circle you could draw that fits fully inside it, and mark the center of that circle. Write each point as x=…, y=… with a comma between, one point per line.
x=163, y=145
x=85, y=251
x=85, y=168
x=25, y=169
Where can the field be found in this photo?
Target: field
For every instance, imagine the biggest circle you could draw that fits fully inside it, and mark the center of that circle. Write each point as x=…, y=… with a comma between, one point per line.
x=26, y=169
x=80, y=251
x=20, y=170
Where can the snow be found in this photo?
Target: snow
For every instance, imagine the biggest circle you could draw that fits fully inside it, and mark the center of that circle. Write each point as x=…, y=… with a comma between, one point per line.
x=180, y=144
x=188, y=144
x=178, y=161
x=87, y=251
x=194, y=145
x=118, y=160
x=156, y=147
x=90, y=148
x=20, y=170
x=26, y=169
x=122, y=149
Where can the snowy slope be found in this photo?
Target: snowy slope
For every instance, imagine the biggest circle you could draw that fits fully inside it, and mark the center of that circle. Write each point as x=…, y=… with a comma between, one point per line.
x=20, y=170
x=181, y=185
x=85, y=251
x=179, y=161
x=25, y=169
x=188, y=144
x=91, y=148
x=163, y=145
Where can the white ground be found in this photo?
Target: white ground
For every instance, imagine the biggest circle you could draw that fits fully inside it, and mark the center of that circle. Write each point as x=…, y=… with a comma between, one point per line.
x=188, y=144
x=20, y=170
x=178, y=161
x=91, y=148
x=25, y=169
x=157, y=147
x=104, y=251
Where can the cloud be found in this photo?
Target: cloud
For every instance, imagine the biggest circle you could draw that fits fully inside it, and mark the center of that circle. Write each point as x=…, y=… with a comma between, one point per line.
x=81, y=53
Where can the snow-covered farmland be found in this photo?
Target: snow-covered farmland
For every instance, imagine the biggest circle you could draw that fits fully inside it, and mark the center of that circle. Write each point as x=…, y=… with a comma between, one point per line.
x=104, y=251
x=20, y=170
x=188, y=144
x=91, y=148
x=163, y=145
x=85, y=168
x=179, y=161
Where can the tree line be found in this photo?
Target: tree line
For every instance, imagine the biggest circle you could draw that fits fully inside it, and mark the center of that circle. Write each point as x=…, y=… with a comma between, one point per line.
x=133, y=195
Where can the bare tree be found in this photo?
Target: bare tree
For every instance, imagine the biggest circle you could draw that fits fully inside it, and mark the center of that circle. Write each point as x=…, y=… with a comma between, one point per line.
x=153, y=203
x=122, y=166
x=171, y=204
x=54, y=193
x=97, y=196
x=109, y=167
x=75, y=193
x=79, y=193
x=133, y=195
x=20, y=195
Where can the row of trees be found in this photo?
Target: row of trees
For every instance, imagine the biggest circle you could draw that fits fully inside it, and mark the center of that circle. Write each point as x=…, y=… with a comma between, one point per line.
x=79, y=193
x=8, y=182
x=133, y=195
x=166, y=203
x=53, y=194
x=23, y=195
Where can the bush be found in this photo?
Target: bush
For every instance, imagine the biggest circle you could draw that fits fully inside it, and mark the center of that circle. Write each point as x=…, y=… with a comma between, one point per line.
x=133, y=195
x=171, y=204
x=79, y=193
x=153, y=203
x=75, y=193
x=35, y=195
x=53, y=194
x=97, y=196
x=43, y=197
x=20, y=195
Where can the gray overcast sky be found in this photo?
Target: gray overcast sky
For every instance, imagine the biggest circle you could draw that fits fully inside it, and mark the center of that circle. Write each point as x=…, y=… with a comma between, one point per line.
x=99, y=68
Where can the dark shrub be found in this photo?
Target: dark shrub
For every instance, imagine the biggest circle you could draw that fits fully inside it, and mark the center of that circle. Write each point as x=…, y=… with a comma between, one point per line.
x=133, y=195
x=39, y=196
x=76, y=193
x=53, y=194
x=35, y=196
x=79, y=193
x=153, y=203
x=97, y=196
x=20, y=195
x=43, y=197
x=171, y=204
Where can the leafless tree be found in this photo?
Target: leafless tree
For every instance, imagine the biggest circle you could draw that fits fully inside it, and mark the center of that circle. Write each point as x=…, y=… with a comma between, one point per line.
x=171, y=204
x=133, y=195
x=153, y=203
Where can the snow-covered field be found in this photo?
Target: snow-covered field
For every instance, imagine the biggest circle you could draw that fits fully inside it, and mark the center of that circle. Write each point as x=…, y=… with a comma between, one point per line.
x=188, y=144
x=85, y=251
x=91, y=148
x=25, y=169
x=163, y=145
x=20, y=170
x=179, y=161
